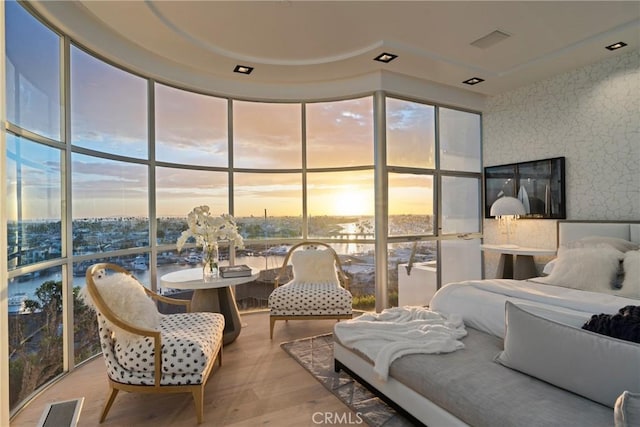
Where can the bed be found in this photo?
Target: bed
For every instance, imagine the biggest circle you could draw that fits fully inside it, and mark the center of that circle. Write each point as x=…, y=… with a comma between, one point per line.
x=527, y=372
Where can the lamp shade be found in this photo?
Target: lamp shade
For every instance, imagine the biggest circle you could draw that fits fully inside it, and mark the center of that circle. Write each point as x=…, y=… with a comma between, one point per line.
x=507, y=206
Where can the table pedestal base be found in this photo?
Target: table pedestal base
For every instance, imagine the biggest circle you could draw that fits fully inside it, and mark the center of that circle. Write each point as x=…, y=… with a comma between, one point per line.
x=523, y=268
x=219, y=300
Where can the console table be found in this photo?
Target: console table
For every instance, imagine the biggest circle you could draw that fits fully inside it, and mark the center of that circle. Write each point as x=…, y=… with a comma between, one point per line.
x=215, y=295
x=523, y=266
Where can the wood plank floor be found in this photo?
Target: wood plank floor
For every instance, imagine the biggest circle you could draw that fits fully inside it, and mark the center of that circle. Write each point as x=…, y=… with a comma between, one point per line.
x=258, y=383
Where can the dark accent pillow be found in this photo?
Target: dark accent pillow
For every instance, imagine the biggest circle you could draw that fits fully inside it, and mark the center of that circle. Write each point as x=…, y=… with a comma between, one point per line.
x=624, y=325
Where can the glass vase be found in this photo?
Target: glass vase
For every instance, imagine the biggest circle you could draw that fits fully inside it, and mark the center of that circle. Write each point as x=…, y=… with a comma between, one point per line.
x=209, y=262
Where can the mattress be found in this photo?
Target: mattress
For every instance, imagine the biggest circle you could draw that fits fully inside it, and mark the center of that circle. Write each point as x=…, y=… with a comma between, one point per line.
x=481, y=302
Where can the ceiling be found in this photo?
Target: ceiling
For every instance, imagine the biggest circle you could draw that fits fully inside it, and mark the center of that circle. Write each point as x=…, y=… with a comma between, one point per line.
x=308, y=42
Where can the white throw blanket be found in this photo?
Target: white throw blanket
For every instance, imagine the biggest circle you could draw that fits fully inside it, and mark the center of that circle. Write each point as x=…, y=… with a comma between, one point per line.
x=399, y=331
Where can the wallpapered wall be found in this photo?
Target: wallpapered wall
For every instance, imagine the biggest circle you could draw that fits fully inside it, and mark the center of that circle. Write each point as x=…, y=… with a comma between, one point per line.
x=591, y=116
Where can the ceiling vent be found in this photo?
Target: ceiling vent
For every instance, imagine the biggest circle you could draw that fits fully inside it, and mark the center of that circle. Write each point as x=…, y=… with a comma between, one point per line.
x=490, y=39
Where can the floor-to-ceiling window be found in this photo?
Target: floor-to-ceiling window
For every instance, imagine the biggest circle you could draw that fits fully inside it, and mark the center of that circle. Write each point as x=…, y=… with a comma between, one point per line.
x=460, y=157
x=434, y=171
x=434, y=182
x=411, y=166
x=340, y=187
x=34, y=237
x=267, y=183
x=114, y=179
x=33, y=200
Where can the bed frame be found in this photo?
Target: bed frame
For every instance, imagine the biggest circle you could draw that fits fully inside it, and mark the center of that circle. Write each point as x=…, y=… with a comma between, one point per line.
x=416, y=407
x=574, y=230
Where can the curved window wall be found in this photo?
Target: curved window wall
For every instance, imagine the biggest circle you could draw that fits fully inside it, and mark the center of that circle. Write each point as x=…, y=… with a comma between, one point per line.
x=340, y=133
x=32, y=73
x=266, y=135
x=191, y=129
x=110, y=200
x=108, y=107
x=138, y=155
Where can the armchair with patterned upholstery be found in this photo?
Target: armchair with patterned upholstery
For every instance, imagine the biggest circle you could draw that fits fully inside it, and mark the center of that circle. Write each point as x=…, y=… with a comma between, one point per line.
x=146, y=351
x=319, y=288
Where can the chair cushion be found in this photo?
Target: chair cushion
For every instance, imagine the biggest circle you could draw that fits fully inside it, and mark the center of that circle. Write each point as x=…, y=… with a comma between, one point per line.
x=126, y=298
x=189, y=341
x=314, y=266
x=305, y=299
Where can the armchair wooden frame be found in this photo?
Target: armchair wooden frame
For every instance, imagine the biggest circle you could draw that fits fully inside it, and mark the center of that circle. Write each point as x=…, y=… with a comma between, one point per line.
x=197, y=390
x=283, y=276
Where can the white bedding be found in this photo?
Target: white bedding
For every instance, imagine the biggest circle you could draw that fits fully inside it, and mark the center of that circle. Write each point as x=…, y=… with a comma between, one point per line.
x=481, y=302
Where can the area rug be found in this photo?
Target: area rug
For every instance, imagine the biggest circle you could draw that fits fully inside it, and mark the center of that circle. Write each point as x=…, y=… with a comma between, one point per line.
x=315, y=354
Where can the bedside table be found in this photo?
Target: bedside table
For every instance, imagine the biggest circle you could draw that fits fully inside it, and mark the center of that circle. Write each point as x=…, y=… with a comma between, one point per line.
x=523, y=266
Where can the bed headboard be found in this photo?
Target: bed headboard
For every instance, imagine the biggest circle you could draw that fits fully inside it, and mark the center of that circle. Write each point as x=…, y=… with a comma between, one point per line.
x=569, y=230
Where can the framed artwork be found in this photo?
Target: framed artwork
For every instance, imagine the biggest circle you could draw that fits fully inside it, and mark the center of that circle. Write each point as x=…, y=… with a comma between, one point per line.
x=538, y=184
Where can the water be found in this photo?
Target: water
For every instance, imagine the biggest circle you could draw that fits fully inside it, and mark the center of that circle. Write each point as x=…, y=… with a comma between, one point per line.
x=28, y=285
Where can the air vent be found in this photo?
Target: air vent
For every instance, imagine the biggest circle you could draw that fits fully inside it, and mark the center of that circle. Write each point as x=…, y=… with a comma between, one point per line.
x=61, y=414
x=490, y=39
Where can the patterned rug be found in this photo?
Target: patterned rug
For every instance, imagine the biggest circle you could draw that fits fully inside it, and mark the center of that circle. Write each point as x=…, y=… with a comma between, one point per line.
x=315, y=354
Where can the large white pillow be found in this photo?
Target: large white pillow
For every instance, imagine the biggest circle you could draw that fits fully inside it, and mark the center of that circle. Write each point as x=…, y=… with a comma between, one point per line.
x=127, y=299
x=589, y=269
x=592, y=365
x=631, y=284
x=314, y=266
x=566, y=316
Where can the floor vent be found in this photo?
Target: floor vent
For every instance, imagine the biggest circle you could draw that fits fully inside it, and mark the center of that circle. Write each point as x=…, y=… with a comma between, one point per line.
x=61, y=414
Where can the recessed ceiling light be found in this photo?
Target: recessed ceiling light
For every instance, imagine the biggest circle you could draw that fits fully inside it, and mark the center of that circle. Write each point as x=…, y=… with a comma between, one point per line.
x=616, y=46
x=473, y=81
x=385, y=57
x=243, y=69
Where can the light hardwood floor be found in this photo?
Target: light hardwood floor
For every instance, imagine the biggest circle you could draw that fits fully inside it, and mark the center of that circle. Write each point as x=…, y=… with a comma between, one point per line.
x=258, y=383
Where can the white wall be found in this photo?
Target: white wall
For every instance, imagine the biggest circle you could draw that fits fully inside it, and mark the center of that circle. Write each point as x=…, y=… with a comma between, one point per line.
x=591, y=116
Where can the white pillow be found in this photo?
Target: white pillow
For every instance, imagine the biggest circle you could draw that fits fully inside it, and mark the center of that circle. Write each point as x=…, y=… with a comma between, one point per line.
x=548, y=267
x=595, y=366
x=631, y=284
x=314, y=266
x=588, y=269
x=127, y=299
x=626, y=413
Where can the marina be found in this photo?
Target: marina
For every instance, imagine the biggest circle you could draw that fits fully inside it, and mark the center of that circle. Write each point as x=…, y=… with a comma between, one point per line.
x=16, y=302
x=360, y=265
x=357, y=258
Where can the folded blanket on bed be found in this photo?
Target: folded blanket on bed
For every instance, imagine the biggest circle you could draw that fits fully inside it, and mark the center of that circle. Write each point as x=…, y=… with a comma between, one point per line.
x=624, y=325
x=399, y=331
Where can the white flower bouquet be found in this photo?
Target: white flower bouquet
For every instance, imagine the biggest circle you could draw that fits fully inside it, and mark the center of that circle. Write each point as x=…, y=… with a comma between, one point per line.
x=208, y=230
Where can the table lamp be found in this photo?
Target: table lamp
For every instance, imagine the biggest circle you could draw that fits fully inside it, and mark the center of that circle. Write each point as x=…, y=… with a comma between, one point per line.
x=506, y=210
